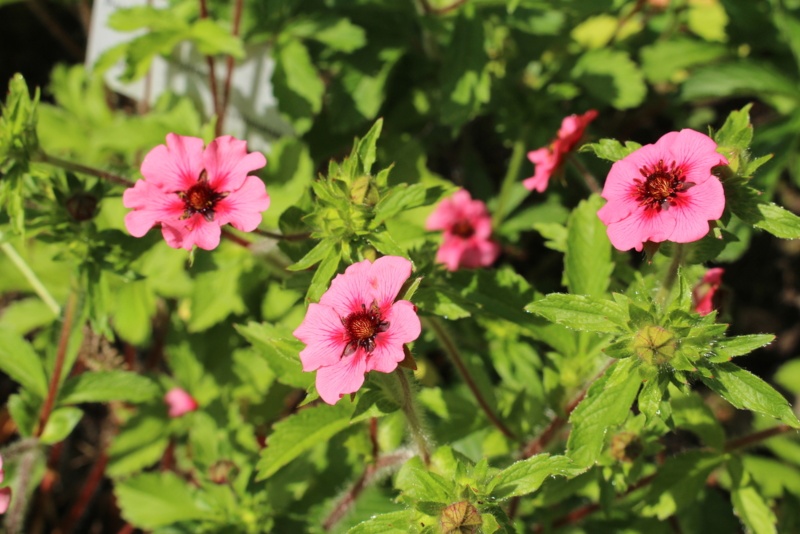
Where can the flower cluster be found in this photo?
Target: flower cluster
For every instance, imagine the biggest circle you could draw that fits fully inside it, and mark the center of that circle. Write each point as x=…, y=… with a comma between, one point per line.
x=664, y=192
x=549, y=159
x=467, y=230
x=358, y=327
x=192, y=192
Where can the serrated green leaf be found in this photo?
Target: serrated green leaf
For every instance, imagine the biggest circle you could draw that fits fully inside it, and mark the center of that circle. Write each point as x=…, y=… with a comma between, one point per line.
x=748, y=392
x=281, y=350
x=60, y=424
x=748, y=504
x=526, y=476
x=611, y=149
x=678, y=483
x=580, y=312
x=587, y=262
x=140, y=443
x=607, y=404
x=366, y=148
x=297, y=85
x=689, y=412
x=212, y=39
x=338, y=34
x=736, y=132
x=385, y=244
x=417, y=482
x=466, y=83
x=665, y=60
x=136, y=306
x=322, y=276
x=741, y=78
x=611, y=76
x=153, y=500
x=19, y=361
x=106, y=386
x=404, y=197
x=295, y=435
x=778, y=221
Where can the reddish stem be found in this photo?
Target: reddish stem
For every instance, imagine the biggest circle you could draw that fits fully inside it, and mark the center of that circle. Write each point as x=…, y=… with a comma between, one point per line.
x=226, y=91
x=285, y=237
x=77, y=167
x=55, y=380
x=89, y=488
x=230, y=236
x=212, y=72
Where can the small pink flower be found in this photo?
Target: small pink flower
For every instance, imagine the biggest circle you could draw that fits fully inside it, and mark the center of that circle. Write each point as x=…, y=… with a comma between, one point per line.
x=358, y=327
x=179, y=402
x=467, y=232
x=5, y=493
x=664, y=192
x=705, y=295
x=192, y=192
x=550, y=158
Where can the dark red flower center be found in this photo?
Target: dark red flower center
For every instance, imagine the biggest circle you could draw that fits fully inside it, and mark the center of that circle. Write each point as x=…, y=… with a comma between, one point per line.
x=661, y=185
x=463, y=229
x=362, y=327
x=200, y=198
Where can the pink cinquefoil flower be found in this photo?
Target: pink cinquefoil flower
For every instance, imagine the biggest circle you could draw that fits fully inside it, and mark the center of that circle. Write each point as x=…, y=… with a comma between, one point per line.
x=179, y=402
x=358, y=327
x=192, y=192
x=705, y=295
x=664, y=192
x=5, y=493
x=550, y=158
x=467, y=232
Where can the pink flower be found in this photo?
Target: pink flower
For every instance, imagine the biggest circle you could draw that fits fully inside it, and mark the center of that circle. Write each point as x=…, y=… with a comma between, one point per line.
x=179, y=402
x=192, y=192
x=550, y=158
x=5, y=493
x=705, y=295
x=358, y=327
x=664, y=192
x=467, y=232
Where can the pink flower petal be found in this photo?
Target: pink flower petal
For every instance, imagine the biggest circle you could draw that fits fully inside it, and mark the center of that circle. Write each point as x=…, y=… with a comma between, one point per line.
x=242, y=208
x=386, y=276
x=348, y=293
x=5, y=499
x=176, y=166
x=228, y=163
x=179, y=402
x=404, y=327
x=346, y=376
x=546, y=162
x=697, y=152
x=190, y=232
x=450, y=253
x=324, y=335
x=700, y=204
x=152, y=205
x=633, y=231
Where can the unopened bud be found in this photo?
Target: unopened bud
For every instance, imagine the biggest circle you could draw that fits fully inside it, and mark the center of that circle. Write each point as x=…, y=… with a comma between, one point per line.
x=460, y=518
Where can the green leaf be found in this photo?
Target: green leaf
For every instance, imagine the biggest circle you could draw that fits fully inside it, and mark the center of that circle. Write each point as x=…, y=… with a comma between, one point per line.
x=587, y=262
x=691, y=413
x=607, y=404
x=322, y=276
x=19, y=361
x=385, y=244
x=153, y=500
x=741, y=78
x=391, y=523
x=211, y=307
x=737, y=132
x=611, y=76
x=320, y=251
x=212, y=39
x=747, y=501
x=679, y=482
x=731, y=347
x=281, y=350
x=666, y=60
x=338, y=34
x=417, y=482
x=140, y=443
x=367, y=147
x=778, y=221
x=611, y=149
x=295, y=435
x=297, y=85
x=526, y=476
x=136, y=305
x=788, y=376
x=580, y=312
x=106, y=386
x=466, y=82
x=748, y=392
x=60, y=424
x=404, y=197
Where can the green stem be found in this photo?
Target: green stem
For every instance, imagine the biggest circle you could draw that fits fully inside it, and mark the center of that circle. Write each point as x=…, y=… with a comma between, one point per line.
x=588, y=178
x=411, y=416
x=61, y=356
x=510, y=180
x=672, y=274
x=450, y=348
x=31, y=277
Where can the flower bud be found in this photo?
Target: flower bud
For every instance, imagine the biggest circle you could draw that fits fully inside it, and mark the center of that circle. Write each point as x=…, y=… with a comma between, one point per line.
x=460, y=518
x=654, y=345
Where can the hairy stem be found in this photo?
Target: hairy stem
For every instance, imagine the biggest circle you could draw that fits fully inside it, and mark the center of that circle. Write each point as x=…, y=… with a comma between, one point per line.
x=588, y=178
x=672, y=274
x=450, y=348
x=31, y=277
x=510, y=180
x=412, y=417
x=61, y=354
x=15, y=519
x=77, y=167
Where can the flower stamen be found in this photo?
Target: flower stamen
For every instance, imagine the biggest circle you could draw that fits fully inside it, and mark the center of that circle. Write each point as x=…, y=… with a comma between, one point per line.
x=661, y=185
x=362, y=327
